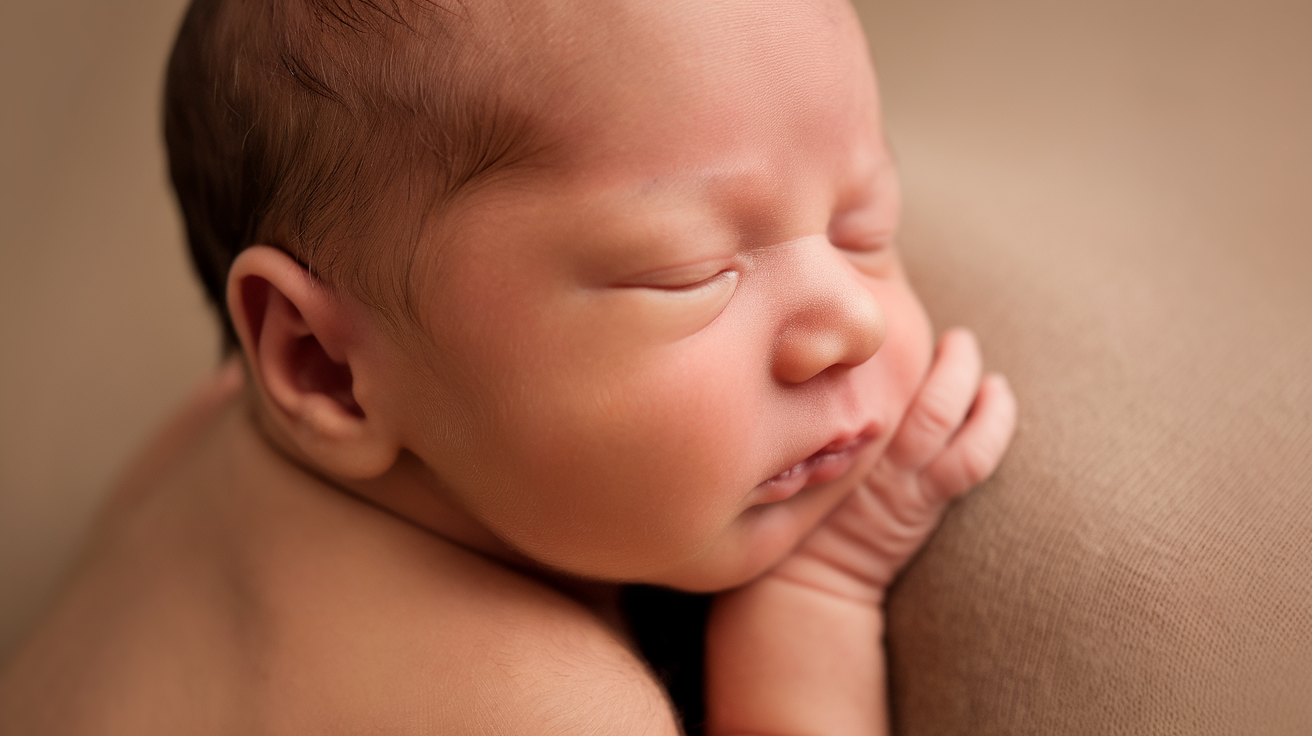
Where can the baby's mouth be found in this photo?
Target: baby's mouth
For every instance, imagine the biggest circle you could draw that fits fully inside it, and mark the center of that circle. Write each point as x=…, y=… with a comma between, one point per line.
x=830, y=462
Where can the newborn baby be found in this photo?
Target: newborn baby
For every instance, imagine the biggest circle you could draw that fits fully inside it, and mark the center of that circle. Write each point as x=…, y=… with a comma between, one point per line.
x=532, y=298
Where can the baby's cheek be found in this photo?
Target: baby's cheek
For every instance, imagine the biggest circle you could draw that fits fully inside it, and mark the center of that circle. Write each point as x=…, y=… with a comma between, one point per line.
x=642, y=460
x=912, y=327
x=903, y=361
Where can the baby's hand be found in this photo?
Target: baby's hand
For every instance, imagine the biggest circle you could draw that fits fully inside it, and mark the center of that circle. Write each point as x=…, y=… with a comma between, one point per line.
x=800, y=649
x=952, y=438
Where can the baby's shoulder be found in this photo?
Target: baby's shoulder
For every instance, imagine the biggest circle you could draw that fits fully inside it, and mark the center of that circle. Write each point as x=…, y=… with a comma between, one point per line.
x=220, y=601
x=345, y=631
x=450, y=642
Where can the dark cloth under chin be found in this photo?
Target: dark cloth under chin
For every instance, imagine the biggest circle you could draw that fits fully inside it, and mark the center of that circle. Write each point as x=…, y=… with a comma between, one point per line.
x=670, y=628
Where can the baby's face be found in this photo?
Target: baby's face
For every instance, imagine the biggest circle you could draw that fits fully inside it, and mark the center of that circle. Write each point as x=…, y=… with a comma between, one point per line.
x=665, y=354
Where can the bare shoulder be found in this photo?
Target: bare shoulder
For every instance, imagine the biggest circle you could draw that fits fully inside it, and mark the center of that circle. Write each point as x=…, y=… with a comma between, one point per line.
x=441, y=640
x=358, y=620
x=269, y=605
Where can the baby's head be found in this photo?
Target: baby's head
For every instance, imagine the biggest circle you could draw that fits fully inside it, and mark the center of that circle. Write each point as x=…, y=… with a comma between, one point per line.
x=604, y=285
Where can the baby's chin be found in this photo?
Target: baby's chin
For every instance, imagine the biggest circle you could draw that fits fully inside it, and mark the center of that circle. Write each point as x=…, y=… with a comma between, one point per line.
x=764, y=534
x=760, y=538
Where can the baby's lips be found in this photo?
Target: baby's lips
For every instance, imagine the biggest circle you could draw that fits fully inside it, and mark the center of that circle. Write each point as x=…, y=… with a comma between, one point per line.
x=826, y=464
x=843, y=445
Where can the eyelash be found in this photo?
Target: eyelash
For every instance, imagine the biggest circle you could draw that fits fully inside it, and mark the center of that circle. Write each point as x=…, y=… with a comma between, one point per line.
x=696, y=285
x=865, y=245
x=859, y=238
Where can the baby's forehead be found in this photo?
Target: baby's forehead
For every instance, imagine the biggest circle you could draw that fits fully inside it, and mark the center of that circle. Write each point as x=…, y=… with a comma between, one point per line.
x=615, y=77
x=599, y=58
x=661, y=101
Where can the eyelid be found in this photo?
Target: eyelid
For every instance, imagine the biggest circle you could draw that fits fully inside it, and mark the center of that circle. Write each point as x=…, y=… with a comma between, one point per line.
x=867, y=223
x=683, y=278
x=712, y=280
x=857, y=233
x=873, y=243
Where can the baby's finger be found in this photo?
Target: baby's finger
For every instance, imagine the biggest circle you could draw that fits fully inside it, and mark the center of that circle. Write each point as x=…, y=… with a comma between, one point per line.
x=942, y=403
x=975, y=451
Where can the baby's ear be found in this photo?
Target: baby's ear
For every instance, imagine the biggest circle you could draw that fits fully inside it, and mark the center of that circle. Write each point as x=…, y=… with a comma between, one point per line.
x=305, y=345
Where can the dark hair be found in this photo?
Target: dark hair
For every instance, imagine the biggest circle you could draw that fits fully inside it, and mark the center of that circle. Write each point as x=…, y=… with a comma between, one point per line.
x=330, y=129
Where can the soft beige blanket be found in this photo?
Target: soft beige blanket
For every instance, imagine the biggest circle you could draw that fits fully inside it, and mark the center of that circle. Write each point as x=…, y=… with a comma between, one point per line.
x=1118, y=197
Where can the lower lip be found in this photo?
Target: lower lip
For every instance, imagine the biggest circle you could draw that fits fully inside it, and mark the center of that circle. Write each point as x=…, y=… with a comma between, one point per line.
x=821, y=467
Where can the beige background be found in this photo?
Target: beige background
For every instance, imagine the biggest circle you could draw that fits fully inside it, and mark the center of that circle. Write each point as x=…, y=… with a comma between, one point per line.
x=101, y=326
x=1115, y=194
x=1118, y=196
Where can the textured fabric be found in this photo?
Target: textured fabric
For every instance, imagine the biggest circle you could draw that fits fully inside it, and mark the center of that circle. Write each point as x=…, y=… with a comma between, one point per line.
x=1116, y=197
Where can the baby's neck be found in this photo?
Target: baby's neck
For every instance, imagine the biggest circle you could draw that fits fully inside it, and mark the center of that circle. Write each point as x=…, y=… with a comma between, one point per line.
x=407, y=492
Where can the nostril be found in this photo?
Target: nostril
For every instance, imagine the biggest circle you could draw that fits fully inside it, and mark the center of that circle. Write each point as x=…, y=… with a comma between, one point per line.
x=804, y=353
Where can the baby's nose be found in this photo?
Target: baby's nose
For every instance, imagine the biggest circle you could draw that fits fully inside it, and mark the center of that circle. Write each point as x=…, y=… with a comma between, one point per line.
x=833, y=320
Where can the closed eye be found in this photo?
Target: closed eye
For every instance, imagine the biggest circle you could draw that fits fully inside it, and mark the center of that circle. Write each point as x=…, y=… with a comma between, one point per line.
x=713, y=280
x=862, y=232
x=677, y=302
x=866, y=244
x=689, y=278
x=866, y=239
x=878, y=261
